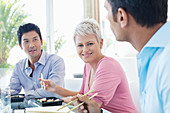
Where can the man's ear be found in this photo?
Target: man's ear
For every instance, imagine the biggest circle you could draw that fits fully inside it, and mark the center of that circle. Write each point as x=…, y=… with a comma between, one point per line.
x=122, y=17
x=20, y=46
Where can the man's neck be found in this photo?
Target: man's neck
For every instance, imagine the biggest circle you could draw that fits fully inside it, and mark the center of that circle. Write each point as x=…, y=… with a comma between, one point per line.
x=141, y=35
x=32, y=67
x=34, y=59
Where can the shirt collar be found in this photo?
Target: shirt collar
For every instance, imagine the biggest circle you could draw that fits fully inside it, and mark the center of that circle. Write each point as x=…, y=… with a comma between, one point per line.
x=42, y=59
x=26, y=64
x=159, y=39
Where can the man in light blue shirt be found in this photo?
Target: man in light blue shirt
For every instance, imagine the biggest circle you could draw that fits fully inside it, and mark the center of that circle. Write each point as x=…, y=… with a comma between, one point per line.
x=27, y=72
x=143, y=23
x=154, y=72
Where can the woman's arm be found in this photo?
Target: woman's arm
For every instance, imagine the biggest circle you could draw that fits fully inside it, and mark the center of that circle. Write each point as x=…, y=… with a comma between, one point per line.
x=51, y=86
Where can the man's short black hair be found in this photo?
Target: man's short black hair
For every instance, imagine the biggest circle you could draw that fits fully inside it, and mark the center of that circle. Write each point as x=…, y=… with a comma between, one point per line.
x=145, y=12
x=27, y=28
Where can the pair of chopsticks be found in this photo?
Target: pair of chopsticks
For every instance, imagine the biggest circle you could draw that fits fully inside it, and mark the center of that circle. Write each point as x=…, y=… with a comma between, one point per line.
x=82, y=102
x=74, y=100
x=43, y=84
x=11, y=90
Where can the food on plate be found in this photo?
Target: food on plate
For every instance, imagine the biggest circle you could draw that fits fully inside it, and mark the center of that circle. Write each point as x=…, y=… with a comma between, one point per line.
x=47, y=100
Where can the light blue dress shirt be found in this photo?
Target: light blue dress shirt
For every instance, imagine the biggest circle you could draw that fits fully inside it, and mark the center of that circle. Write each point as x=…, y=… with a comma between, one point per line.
x=50, y=65
x=154, y=72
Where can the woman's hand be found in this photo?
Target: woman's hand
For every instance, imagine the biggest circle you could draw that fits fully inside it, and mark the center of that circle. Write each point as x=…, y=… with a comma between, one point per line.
x=50, y=85
x=90, y=106
x=67, y=99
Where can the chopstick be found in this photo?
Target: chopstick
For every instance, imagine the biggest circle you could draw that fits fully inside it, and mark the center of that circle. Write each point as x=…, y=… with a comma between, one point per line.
x=82, y=102
x=43, y=84
x=11, y=90
x=74, y=100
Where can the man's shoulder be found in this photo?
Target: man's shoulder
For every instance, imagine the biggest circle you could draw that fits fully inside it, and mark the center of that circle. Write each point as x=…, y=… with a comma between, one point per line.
x=163, y=61
x=50, y=56
x=53, y=57
x=50, y=59
x=165, y=55
x=21, y=62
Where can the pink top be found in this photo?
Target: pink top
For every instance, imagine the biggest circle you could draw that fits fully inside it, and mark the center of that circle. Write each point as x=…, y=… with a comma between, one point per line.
x=111, y=85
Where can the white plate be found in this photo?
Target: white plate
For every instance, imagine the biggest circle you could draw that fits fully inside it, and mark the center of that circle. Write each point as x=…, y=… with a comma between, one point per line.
x=51, y=109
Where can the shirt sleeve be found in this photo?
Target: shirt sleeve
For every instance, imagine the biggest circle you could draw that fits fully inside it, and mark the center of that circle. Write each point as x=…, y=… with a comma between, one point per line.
x=164, y=85
x=15, y=83
x=56, y=74
x=41, y=93
x=107, y=80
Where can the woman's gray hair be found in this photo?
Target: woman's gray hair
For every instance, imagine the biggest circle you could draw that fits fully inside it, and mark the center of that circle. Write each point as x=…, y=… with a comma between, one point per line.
x=87, y=27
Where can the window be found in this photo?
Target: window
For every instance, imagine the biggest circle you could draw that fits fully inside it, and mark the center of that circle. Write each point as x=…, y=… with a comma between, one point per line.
x=36, y=9
x=67, y=14
x=112, y=47
x=64, y=26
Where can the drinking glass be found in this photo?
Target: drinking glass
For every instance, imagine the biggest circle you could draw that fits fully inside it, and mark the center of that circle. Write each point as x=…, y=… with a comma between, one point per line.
x=5, y=100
